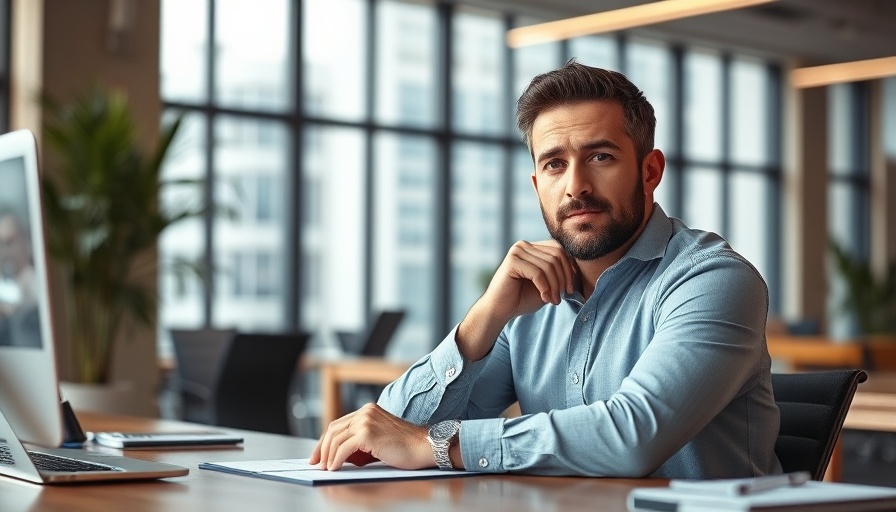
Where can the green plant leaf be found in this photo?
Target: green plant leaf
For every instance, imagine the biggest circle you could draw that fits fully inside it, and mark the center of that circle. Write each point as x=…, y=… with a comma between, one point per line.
x=102, y=203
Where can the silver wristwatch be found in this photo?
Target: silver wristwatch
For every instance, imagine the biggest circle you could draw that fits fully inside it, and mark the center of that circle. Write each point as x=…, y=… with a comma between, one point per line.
x=440, y=436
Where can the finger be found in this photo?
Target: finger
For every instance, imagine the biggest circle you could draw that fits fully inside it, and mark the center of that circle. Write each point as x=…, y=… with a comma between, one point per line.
x=345, y=449
x=326, y=440
x=544, y=270
x=563, y=260
x=558, y=261
x=336, y=441
x=535, y=269
x=315, y=455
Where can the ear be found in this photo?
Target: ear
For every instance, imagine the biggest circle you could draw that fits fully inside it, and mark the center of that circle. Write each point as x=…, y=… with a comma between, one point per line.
x=652, y=171
x=534, y=181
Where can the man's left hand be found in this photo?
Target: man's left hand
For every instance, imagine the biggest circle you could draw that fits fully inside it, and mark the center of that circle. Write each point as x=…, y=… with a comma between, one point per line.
x=370, y=434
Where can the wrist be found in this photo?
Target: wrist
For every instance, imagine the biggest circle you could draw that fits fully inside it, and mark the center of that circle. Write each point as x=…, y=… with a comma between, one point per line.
x=457, y=460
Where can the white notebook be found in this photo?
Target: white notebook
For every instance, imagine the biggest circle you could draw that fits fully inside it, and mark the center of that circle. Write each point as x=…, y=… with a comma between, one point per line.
x=811, y=496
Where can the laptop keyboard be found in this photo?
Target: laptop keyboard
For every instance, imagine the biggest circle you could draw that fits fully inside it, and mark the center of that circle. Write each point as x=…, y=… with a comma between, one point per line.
x=50, y=462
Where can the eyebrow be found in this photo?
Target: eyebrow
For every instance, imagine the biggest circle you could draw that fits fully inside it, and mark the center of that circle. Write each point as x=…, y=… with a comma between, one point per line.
x=595, y=144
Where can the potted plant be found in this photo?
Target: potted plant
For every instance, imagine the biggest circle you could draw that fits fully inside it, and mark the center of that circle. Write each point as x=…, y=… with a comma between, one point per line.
x=104, y=219
x=869, y=298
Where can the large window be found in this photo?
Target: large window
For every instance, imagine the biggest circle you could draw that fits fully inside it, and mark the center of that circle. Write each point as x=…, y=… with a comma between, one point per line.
x=368, y=152
x=849, y=178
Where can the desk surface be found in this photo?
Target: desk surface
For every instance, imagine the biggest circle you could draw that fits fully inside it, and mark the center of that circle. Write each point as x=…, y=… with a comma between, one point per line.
x=220, y=492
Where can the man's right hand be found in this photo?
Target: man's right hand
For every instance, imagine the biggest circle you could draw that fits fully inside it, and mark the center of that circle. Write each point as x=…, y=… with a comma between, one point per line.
x=531, y=275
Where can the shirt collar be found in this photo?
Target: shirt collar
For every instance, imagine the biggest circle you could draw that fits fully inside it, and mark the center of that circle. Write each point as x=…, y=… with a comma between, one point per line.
x=652, y=242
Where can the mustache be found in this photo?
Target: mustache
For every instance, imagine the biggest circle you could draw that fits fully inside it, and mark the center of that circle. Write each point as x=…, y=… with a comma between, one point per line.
x=588, y=203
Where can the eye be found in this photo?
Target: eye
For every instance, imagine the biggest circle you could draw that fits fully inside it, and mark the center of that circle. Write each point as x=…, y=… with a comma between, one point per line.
x=554, y=165
x=603, y=157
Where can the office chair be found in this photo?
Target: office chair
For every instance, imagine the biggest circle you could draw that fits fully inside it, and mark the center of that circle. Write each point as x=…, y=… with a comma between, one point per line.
x=375, y=338
x=199, y=354
x=813, y=407
x=372, y=342
x=252, y=390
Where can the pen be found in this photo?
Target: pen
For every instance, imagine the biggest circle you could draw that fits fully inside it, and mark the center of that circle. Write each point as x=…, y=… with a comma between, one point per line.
x=741, y=486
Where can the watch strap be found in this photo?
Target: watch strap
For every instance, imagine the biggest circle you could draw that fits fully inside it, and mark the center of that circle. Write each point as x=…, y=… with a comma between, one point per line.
x=441, y=436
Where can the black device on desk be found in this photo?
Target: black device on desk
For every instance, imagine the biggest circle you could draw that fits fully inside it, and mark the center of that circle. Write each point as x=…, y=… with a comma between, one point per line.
x=165, y=439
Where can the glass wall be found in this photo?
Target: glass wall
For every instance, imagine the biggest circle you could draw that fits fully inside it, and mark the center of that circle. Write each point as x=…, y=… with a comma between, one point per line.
x=378, y=166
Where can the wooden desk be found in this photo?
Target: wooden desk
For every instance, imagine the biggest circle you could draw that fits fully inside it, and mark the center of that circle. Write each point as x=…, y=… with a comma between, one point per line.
x=874, y=406
x=203, y=490
x=807, y=352
x=811, y=351
x=363, y=370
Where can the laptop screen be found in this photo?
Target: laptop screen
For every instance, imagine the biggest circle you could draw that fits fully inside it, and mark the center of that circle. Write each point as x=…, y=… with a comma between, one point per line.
x=29, y=388
x=19, y=321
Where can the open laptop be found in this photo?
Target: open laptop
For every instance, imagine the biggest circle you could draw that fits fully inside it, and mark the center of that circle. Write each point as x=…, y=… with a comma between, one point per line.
x=30, y=407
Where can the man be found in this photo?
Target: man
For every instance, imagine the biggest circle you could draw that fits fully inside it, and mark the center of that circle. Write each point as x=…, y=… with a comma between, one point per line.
x=634, y=345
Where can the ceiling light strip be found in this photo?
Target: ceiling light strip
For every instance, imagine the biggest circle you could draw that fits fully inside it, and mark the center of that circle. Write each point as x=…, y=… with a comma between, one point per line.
x=620, y=19
x=818, y=76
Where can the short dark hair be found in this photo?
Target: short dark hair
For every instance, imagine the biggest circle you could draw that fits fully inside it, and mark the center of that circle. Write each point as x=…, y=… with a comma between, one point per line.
x=576, y=82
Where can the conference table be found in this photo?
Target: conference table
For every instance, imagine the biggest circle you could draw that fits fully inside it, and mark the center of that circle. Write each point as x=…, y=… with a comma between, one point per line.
x=204, y=490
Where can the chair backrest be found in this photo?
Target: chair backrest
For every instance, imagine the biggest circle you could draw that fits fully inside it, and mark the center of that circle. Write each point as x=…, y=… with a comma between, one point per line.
x=813, y=406
x=253, y=386
x=379, y=332
x=199, y=354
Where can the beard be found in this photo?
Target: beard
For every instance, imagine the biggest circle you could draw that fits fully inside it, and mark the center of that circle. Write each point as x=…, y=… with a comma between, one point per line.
x=624, y=223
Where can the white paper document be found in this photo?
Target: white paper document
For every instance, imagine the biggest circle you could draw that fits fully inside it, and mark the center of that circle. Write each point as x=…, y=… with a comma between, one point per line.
x=301, y=472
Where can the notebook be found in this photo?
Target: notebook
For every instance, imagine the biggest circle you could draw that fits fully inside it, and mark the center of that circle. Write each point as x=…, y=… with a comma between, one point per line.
x=30, y=407
x=810, y=497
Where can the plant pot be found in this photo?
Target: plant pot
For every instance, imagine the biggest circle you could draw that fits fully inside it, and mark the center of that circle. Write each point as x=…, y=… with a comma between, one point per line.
x=114, y=398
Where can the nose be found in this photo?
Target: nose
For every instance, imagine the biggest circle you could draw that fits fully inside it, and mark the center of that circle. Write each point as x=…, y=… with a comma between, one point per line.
x=578, y=183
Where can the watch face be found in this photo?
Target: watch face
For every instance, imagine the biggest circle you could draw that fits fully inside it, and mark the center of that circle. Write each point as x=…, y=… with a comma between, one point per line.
x=443, y=430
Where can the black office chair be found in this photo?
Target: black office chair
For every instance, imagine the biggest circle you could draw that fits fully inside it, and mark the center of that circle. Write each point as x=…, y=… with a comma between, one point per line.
x=372, y=342
x=813, y=406
x=253, y=386
x=199, y=354
x=375, y=338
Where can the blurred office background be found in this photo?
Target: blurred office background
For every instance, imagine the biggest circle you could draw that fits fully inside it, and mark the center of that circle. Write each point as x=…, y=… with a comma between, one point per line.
x=370, y=151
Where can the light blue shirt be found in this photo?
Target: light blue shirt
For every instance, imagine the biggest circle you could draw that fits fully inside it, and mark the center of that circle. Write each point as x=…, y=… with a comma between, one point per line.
x=663, y=371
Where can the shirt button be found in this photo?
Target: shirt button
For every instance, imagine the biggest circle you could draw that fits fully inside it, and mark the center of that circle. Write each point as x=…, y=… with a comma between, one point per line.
x=483, y=462
x=575, y=378
x=450, y=372
x=585, y=317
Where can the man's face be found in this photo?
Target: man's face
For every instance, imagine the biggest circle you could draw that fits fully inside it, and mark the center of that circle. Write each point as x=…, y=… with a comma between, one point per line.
x=588, y=178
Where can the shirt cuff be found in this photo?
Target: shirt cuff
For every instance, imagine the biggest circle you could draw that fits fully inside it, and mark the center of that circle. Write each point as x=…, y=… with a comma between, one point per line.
x=450, y=367
x=480, y=445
